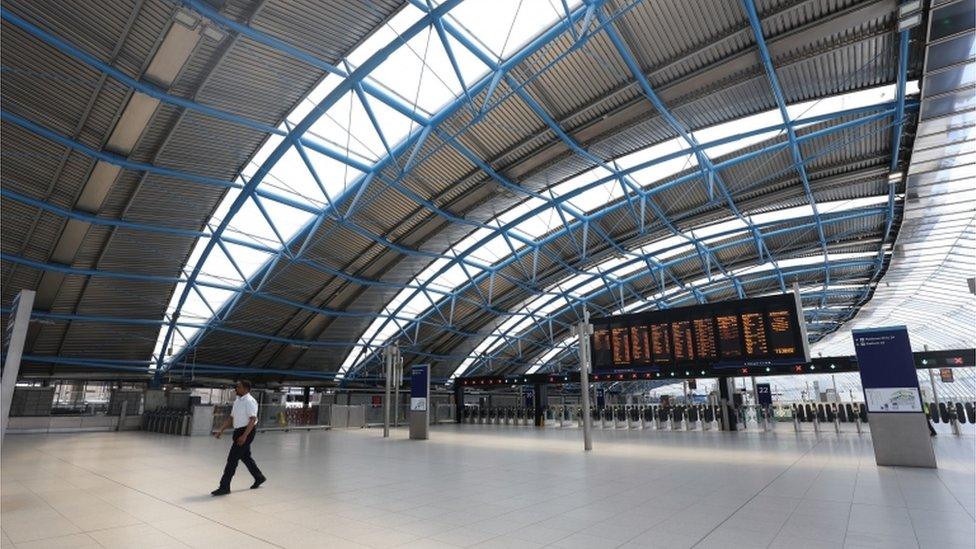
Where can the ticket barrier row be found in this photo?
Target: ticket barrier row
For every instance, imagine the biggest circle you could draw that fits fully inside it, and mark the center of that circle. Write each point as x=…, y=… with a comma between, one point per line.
x=952, y=413
x=564, y=416
x=499, y=415
x=169, y=421
x=661, y=418
x=825, y=412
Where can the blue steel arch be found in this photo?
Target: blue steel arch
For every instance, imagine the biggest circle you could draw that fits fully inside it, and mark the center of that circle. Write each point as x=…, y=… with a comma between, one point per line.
x=585, y=14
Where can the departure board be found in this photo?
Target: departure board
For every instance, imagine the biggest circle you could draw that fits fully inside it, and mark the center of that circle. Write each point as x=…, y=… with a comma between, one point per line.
x=661, y=343
x=640, y=344
x=781, y=340
x=600, y=345
x=754, y=334
x=757, y=331
x=621, y=345
x=729, y=336
x=705, y=339
x=681, y=341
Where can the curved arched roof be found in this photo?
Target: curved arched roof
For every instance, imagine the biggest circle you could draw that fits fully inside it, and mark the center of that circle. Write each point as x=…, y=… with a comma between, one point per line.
x=462, y=176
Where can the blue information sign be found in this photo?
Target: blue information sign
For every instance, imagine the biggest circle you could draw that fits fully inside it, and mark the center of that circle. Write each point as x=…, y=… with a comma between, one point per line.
x=887, y=367
x=764, y=394
x=418, y=387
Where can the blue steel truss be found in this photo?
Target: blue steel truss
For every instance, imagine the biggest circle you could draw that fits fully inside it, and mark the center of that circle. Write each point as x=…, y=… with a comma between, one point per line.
x=582, y=24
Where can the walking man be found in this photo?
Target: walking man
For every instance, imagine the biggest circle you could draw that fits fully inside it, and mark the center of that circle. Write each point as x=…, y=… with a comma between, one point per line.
x=243, y=417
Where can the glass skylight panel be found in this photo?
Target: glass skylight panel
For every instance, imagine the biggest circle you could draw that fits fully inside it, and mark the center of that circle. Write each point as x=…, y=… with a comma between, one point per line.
x=853, y=100
x=503, y=27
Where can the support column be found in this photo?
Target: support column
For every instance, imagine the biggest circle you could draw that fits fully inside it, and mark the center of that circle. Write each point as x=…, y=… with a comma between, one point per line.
x=725, y=389
x=397, y=383
x=583, y=331
x=16, y=337
x=540, y=398
x=458, y=402
x=307, y=396
x=388, y=378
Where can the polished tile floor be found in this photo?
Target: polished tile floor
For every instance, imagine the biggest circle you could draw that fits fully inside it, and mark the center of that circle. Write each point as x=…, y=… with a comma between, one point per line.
x=485, y=486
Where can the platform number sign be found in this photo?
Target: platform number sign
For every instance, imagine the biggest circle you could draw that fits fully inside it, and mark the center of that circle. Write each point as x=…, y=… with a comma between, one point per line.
x=946, y=375
x=764, y=394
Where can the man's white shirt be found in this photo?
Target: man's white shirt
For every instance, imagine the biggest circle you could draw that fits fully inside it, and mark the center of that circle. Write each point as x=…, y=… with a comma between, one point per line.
x=245, y=407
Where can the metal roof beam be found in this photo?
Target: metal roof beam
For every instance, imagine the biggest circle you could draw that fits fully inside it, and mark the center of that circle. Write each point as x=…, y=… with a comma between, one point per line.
x=722, y=164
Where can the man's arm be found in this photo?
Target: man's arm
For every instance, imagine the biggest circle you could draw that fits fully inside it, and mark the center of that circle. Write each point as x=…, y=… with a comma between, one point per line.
x=227, y=423
x=247, y=431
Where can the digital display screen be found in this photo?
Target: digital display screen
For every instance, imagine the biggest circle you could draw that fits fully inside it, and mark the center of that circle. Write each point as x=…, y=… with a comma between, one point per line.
x=640, y=344
x=681, y=340
x=705, y=339
x=764, y=330
x=781, y=339
x=621, y=345
x=754, y=334
x=602, y=355
x=729, y=336
x=661, y=343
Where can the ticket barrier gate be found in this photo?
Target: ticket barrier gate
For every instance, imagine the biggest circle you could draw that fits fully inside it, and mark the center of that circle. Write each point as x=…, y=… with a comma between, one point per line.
x=606, y=417
x=168, y=421
x=953, y=413
x=692, y=418
x=829, y=412
x=708, y=417
x=647, y=417
x=662, y=417
x=677, y=417
x=619, y=417
x=633, y=417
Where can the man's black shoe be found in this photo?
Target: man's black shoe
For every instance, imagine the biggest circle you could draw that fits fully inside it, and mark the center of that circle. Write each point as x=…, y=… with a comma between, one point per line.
x=220, y=492
x=258, y=482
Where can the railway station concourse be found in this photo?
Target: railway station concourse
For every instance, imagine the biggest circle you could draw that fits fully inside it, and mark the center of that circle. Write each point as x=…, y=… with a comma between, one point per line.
x=488, y=273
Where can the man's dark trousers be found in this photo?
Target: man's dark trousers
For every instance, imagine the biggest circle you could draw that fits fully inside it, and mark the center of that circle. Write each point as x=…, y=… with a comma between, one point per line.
x=240, y=453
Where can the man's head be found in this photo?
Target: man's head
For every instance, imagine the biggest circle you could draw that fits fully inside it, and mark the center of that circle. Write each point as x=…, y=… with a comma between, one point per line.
x=243, y=387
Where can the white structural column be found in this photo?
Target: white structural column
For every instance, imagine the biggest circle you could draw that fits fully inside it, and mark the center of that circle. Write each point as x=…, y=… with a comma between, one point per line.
x=397, y=382
x=388, y=376
x=583, y=331
x=16, y=336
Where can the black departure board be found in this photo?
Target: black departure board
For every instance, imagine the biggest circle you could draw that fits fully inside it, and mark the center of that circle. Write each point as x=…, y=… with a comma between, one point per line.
x=765, y=330
x=681, y=341
x=754, y=334
x=781, y=341
x=661, y=343
x=640, y=344
x=600, y=344
x=729, y=336
x=705, y=338
x=621, y=345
